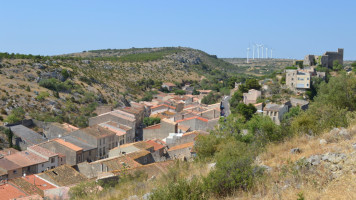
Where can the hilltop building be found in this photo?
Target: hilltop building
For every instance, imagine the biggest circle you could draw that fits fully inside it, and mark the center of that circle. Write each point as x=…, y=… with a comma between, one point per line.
x=325, y=60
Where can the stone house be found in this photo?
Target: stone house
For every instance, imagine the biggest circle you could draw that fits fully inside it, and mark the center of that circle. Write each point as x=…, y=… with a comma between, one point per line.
x=181, y=151
x=52, y=159
x=161, y=130
x=94, y=169
x=121, y=131
x=169, y=86
x=325, y=60
x=24, y=137
x=251, y=96
x=162, y=108
x=117, y=116
x=303, y=104
x=100, y=137
x=54, y=130
x=73, y=153
x=275, y=112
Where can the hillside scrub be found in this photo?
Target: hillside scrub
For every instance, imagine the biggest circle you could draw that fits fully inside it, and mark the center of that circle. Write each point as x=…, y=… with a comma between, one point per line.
x=235, y=151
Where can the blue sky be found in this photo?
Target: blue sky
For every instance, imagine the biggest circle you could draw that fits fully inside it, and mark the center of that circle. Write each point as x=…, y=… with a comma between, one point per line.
x=223, y=28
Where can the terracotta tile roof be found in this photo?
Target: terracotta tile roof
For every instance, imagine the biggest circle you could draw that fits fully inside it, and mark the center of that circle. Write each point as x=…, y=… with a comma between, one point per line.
x=183, y=128
x=31, y=197
x=42, y=151
x=138, y=154
x=69, y=127
x=8, y=151
x=156, y=146
x=197, y=132
x=155, y=126
x=163, y=105
x=63, y=175
x=8, y=191
x=25, y=159
x=120, y=115
x=143, y=145
x=8, y=165
x=190, y=118
x=182, y=146
x=68, y=145
x=97, y=131
x=38, y=182
x=154, y=169
x=27, y=187
x=118, y=163
x=168, y=121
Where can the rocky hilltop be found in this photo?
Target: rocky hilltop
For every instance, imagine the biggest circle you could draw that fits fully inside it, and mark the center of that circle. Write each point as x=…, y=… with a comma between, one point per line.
x=69, y=87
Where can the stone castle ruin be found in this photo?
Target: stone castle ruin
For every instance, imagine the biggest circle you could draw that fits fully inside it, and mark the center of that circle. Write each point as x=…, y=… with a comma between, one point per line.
x=325, y=60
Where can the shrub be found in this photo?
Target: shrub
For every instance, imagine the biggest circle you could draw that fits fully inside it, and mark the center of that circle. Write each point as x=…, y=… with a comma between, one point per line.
x=211, y=98
x=181, y=189
x=42, y=96
x=179, y=92
x=16, y=115
x=233, y=169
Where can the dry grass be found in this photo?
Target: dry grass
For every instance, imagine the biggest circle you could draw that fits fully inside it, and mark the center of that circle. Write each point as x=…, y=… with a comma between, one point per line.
x=284, y=182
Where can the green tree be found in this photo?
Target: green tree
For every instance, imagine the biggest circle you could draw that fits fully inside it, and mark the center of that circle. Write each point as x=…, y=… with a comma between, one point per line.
x=337, y=66
x=179, y=92
x=246, y=110
x=149, y=121
x=263, y=129
x=236, y=99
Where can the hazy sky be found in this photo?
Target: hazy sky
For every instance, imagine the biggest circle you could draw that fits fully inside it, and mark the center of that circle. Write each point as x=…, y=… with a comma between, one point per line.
x=223, y=28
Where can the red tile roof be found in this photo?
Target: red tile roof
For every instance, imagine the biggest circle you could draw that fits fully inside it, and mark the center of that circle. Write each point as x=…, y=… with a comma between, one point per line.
x=156, y=126
x=8, y=191
x=38, y=182
x=190, y=118
x=182, y=146
x=156, y=146
x=165, y=105
x=68, y=144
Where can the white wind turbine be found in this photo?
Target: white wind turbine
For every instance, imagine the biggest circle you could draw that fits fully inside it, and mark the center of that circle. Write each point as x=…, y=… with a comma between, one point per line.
x=262, y=50
x=253, y=52
x=266, y=52
x=258, y=51
x=248, y=51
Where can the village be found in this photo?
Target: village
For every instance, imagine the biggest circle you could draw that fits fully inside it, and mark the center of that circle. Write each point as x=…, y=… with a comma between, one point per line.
x=54, y=157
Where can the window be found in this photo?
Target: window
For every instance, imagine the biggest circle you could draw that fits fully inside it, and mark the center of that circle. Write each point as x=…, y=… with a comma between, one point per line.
x=15, y=171
x=28, y=169
x=42, y=165
x=52, y=160
x=89, y=153
x=79, y=158
x=99, y=142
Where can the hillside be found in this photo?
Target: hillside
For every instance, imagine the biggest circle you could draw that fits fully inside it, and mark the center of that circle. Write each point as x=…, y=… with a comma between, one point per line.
x=69, y=87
